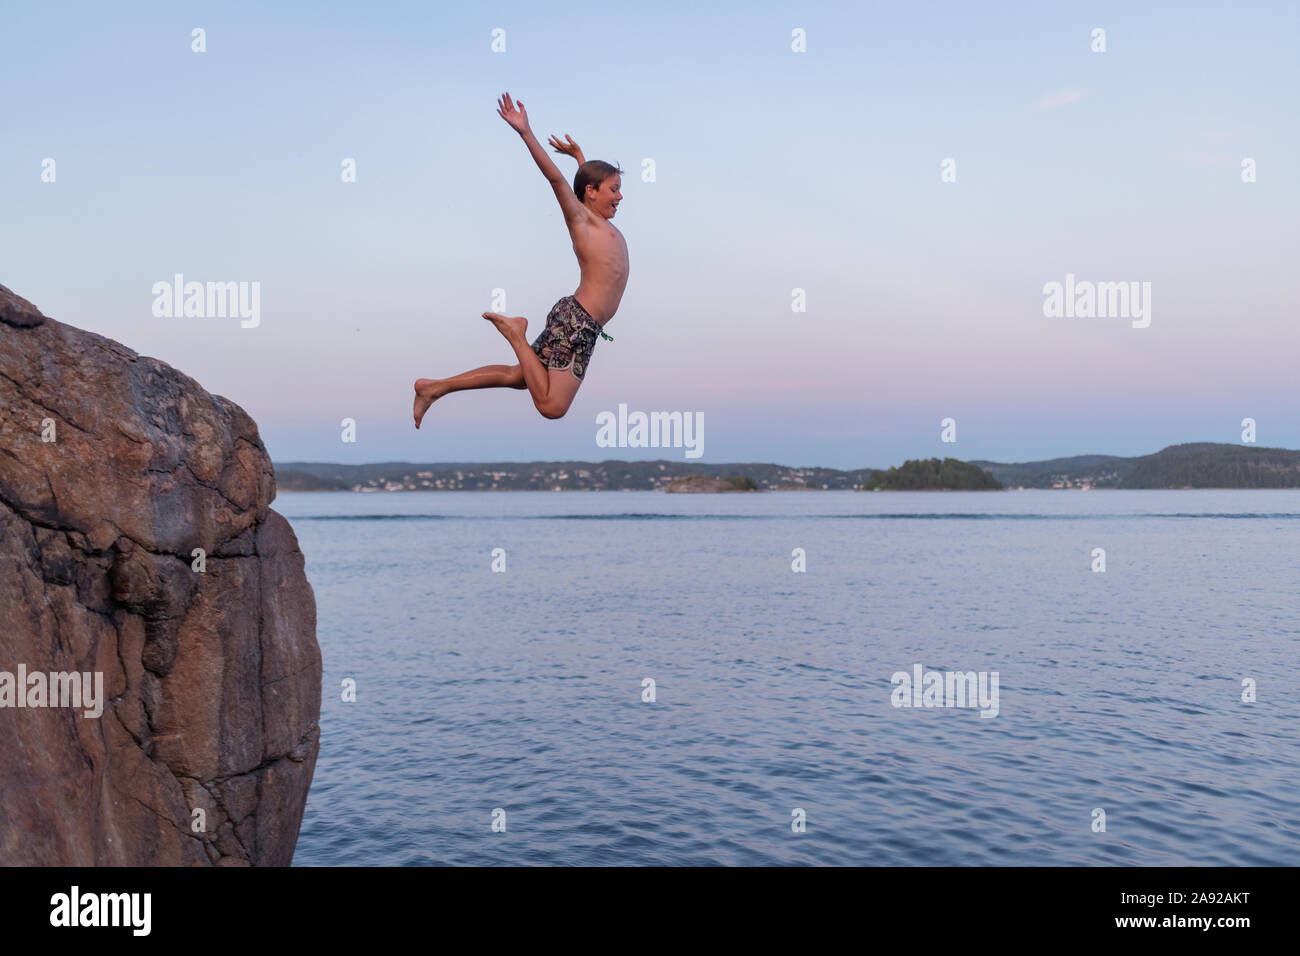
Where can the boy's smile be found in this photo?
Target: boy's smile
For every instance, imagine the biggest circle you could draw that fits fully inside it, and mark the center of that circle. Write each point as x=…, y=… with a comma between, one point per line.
x=608, y=196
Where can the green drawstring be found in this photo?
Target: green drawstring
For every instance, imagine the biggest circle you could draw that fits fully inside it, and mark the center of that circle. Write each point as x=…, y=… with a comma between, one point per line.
x=604, y=336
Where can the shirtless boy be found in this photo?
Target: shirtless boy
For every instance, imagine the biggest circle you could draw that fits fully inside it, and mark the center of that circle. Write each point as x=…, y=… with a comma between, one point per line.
x=553, y=366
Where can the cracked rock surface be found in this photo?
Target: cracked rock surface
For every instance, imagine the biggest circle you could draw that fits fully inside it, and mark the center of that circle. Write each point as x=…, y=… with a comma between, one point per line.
x=212, y=679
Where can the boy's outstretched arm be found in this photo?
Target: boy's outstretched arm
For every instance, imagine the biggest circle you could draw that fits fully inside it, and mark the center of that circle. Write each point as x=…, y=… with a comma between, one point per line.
x=513, y=113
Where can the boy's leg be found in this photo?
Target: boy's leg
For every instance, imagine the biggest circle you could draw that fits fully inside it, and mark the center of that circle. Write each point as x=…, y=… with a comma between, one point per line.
x=429, y=390
x=552, y=389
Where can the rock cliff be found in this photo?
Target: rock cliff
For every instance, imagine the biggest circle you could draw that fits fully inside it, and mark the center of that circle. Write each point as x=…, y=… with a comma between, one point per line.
x=138, y=548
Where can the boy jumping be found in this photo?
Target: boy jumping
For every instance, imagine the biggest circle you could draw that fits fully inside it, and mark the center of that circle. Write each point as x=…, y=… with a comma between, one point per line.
x=553, y=366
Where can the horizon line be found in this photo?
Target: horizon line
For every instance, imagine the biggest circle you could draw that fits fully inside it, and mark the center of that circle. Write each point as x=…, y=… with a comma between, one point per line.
x=545, y=461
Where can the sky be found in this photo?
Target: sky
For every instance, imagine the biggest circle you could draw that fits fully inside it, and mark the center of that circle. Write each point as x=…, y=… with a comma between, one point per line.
x=773, y=171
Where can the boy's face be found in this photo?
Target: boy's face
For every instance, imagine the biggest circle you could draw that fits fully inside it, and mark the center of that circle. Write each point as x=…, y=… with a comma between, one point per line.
x=604, y=201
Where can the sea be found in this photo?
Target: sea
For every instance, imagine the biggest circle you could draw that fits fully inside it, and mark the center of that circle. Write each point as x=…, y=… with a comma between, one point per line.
x=641, y=678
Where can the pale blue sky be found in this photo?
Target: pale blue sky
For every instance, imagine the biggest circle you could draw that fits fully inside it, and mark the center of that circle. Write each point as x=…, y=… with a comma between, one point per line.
x=775, y=170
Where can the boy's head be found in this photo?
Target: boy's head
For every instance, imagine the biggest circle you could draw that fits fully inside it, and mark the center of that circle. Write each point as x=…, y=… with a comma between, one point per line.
x=598, y=186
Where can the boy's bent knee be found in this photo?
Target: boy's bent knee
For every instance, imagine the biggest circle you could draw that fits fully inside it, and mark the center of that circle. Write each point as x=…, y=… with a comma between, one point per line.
x=552, y=407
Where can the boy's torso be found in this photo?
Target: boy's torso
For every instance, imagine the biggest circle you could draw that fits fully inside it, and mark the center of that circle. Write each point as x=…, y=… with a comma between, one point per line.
x=602, y=259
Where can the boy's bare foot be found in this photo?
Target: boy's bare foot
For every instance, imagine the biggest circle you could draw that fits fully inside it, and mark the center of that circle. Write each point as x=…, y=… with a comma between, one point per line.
x=508, y=325
x=427, y=391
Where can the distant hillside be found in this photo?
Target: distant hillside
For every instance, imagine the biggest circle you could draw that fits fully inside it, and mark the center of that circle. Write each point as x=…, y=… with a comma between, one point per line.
x=931, y=474
x=548, y=475
x=1208, y=465
x=287, y=479
x=1192, y=465
x=1091, y=471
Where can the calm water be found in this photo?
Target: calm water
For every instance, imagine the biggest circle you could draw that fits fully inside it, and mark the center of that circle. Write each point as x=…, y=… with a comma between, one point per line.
x=522, y=690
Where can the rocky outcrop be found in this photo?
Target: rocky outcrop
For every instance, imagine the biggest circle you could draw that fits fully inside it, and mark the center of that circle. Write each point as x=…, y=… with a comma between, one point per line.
x=137, y=544
x=706, y=484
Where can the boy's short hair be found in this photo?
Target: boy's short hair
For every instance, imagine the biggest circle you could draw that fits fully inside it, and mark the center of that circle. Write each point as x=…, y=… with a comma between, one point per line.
x=592, y=173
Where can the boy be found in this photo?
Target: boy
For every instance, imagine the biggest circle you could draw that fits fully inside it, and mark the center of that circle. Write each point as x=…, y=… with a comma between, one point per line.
x=553, y=366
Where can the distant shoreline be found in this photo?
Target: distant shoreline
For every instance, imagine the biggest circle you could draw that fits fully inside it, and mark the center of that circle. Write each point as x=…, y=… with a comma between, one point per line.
x=1200, y=466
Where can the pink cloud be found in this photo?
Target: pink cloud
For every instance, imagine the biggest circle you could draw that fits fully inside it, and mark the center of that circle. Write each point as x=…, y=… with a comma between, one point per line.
x=1059, y=98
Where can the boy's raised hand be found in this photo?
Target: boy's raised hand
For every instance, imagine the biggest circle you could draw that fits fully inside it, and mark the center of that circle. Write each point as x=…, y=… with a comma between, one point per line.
x=569, y=149
x=513, y=113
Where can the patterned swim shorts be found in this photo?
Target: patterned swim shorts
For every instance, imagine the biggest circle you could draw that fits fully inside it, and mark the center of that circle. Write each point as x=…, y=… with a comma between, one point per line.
x=569, y=338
